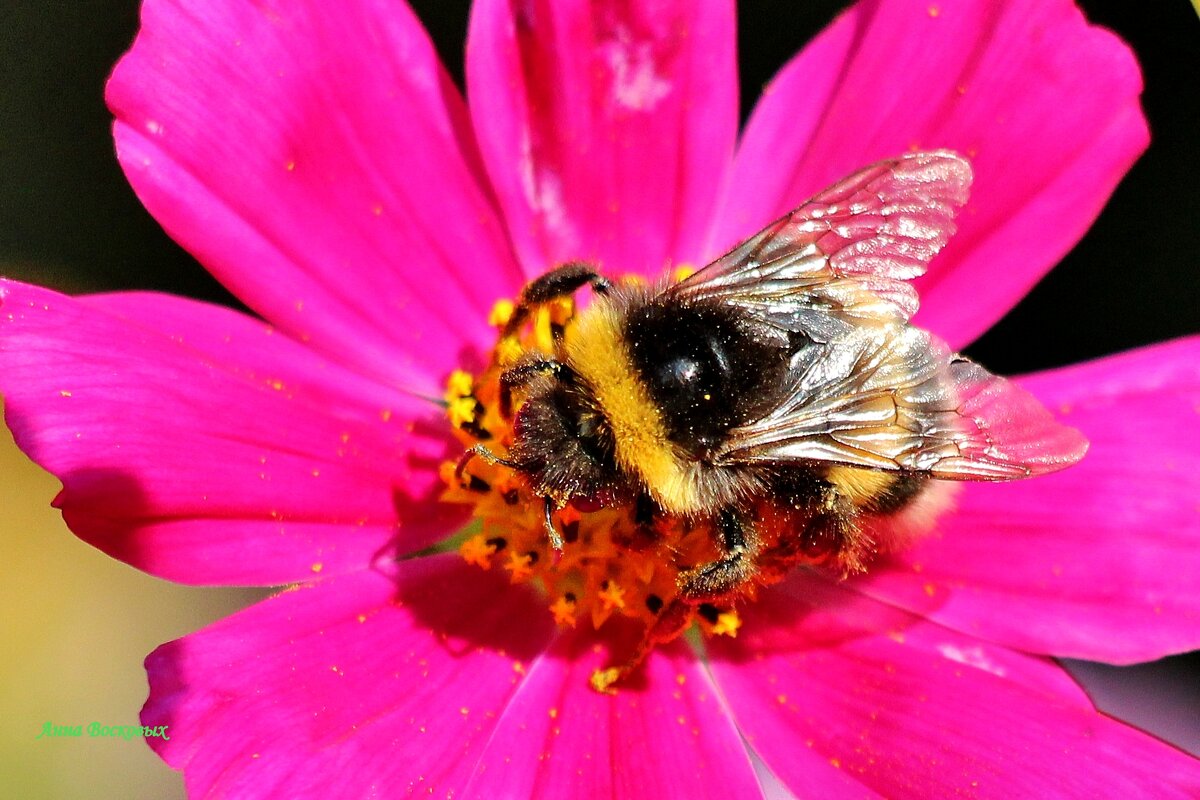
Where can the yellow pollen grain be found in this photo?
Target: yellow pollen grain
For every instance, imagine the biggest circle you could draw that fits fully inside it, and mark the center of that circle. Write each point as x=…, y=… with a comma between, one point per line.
x=317, y=566
x=477, y=551
x=543, y=333
x=553, y=713
x=934, y=11
x=460, y=401
x=612, y=596
x=501, y=313
x=64, y=393
x=602, y=680
x=520, y=566
x=561, y=311
x=930, y=589
x=727, y=624
x=508, y=350
x=460, y=384
x=564, y=612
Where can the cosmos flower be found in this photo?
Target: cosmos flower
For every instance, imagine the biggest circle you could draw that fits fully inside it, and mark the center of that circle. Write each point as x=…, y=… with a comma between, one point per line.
x=318, y=160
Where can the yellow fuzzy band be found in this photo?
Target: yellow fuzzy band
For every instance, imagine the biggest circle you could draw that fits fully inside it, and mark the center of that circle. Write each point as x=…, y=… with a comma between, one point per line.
x=860, y=486
x=596, y=351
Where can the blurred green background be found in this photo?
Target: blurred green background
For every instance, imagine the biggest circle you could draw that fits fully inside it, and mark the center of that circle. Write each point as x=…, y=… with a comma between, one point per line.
x=77, y=624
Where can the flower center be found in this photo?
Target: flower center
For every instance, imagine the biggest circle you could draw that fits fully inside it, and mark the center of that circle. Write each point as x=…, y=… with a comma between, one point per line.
x=626, y=560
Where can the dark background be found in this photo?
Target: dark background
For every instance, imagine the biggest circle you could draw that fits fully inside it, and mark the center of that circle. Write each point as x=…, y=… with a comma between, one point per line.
x=69, y=220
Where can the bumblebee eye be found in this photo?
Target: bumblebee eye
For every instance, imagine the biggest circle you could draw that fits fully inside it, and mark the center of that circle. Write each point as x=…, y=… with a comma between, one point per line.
x=586, y=426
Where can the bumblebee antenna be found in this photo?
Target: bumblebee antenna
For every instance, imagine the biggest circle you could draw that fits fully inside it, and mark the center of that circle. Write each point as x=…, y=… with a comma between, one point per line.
x=556, y=539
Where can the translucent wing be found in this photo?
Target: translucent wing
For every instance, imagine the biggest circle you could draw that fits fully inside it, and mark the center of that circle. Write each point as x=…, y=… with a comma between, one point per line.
x=844, y=256
x=893, y=397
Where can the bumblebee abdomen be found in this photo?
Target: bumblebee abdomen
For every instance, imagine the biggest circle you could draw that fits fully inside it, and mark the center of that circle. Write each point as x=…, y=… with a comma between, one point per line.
x=876, y=491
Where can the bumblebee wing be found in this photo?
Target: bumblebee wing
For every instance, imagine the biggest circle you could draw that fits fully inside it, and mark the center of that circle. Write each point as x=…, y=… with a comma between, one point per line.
x=893, y=397
x=847, y=252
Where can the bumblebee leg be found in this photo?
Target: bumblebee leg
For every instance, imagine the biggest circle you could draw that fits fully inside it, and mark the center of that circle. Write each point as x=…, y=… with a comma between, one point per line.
x=715, y=581
x=672, y=622
x=556, y=539
x=487, y=455
x=558, y=282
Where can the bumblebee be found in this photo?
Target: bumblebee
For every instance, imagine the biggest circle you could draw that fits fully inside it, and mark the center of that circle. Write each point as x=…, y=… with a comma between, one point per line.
x=780, y=386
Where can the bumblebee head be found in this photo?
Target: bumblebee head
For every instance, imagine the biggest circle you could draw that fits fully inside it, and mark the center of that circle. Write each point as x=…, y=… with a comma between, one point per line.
x=564, y=445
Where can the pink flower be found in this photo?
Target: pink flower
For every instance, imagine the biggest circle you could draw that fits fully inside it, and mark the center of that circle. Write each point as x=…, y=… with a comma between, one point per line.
x=317, y=159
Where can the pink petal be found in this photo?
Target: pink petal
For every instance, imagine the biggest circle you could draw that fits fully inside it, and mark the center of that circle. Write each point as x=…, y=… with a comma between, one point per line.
x=665, y=735
x=1045, y=106
x=838, y=692
x=606, y=127
x=1099, y=561
x=214, y=451
x=318, y=160
x=370, y=684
